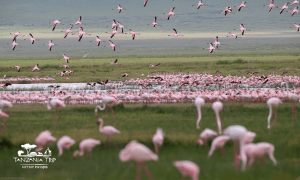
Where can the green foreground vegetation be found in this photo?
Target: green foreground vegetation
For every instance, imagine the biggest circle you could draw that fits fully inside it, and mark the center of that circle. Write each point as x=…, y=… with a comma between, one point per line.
x=140, y=122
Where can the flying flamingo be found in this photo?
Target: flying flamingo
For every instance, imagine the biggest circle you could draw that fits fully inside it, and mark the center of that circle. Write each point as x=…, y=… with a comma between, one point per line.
x=7, y=104
x=15, y=35
x=32, y=39
x=296, y=26
x=227, y=10
x=175, y=33
x=109, y=131
x=237, y=134
x=200, y=4
x=218, y=143
x=294, y=11
x=106, y=101
x=114, y=32
x=14, y=44
x=55, y=103
x=199, y=102
x=135, y=151
x=242, y=5
x=36, y=68
x=233, y=35
x=43, y=139
x=119, y=8
x=133, y=33
x=271, y=5
x=4, y=85
x=218, y=107
x=211, y=48
x=112, y=45
x=171, y=13
x=295, y=2
x=81, y=33
x=145, y=3
x=68, y=31
x=217, y=43
x=5, y=116
x=113, y=25
x=50, y=45
x=243, y=29
x=154, y=66
x=66, y=58
x=86, y=145
x=98, y=40
x=85, y=55
x=158, y=139
x=78, y=22
x=64, y=142
x=273, y=103
x=294, y=99
x=55, y=23
x=121, y=27
x=188, y=169
x=154, y=22
x=285, y=6
x=115, y=62
x=18, y=68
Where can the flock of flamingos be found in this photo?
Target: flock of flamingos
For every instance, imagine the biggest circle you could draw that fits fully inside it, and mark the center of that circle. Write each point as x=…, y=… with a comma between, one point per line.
x=215, y=89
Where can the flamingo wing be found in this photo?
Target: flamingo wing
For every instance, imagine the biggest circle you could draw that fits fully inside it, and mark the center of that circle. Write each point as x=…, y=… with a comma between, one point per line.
x=113, y=48
x=110, y=42
x=66, y=34
x=145, y=2
x=53, y=27
x=98, y=43
x=133, y=36
x=50, y=47
x=175, y=32
x=80, y=36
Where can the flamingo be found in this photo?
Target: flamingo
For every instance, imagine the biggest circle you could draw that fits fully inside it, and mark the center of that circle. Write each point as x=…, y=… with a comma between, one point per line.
x=285, y=6
x=5, y=85
x=218, y=107
x=154, y=66
x=61, y=73
x=294, y=11
x=171, y=13
x=211, y=48
x=54, y=86
x=206, y=135
x=133, y=33
x=43, y=139
x=50, y=45
x=109, y=131
x=271, y=5
x=115, y=62
x=242, y=5
x=125, y=75
x=243, y=29
x=78, y=22
x=18, y=68
x=227, y=10
x=55, y=103
x=188, y=169
x=5, y=116
x=64, y=142
x=175, y=33
x=14, y=44
x=85, y=55
x=273, y=103
x=86, y=145
x=295, y=2
x=296, y=26
x=81, y=33
x=217, y=43
x=199, y=102
x=293, y=98
x=154, y=22
x=200, y=4
x=15, y=35
x=68, y=31
x=135, y=151
x=7, y=104
x=106, y=101
x=145, y=3
x=65, y=66
x=158, y=139
x=32, y=39
x=91, y=84
x=113, y=25
x=121, y=27
x=112, y=45
x=233, y=35
x=237, y=134
x=36, y=68
x=218, y=143
x=55, y=23
x=66, y=58
x=114, y=32
x=119, y=8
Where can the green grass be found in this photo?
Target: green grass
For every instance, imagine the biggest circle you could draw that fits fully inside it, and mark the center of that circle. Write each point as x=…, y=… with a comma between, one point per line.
x=140, y=122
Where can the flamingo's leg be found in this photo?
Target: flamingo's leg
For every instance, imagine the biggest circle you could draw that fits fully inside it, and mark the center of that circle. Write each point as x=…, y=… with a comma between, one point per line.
x=105, y=114
x=223, y=151
x=9, y=111
x=296, y=112
x=138, y=171
x=236, y=155
x=54, y=116
x=292, y=111
x=147, y=171
x=112, y=111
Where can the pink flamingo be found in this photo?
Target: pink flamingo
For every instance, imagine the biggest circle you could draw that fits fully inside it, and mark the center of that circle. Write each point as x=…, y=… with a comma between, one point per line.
x=36, y=68
x=199, y=102
x=295, y=2
x=218, y=143
x=233, y=35
x=135, y=151
x=55, y=103
x=50, y=45
x=112, y=45
x=121, y=27
x=106, y=101
x=271, y=5
x=66, y=58
x=5, y=116
x=237, y=134
x=18, y=68
x=188, y=169
x=114, y=32
x=158, y=139
x=64, y=142
x=218, y=107
x=68, y=31
x=85, y=55
x=133, y=33
x=5, y=85
x=294, y=11
x=154, y=65
x=217, y=43
x=65, y=66
x=14, y=44
x=81, y=33
x=206, y=135
x=242, y=5
x=32, y=39
x=78, y=22
x=211, y=48
x=200, y=4
x=285, y=6
x=115, y=62
x=243, y=29
x=171, y=13
x=154, y=22
x=113, y=25
x=293, y=98
x=86, y=145
x=119, y=8
x=109, y=131
x=227, y=10
x=98, y=40
x=55, y=23
x=273, y=103
x=296, y=26
x=43, y=139
x=15, y=35
x=6, y=104
x=125, y=75
x=175, y=33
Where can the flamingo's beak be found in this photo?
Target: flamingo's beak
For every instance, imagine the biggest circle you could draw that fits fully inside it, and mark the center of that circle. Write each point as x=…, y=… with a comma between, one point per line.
x=96, y=114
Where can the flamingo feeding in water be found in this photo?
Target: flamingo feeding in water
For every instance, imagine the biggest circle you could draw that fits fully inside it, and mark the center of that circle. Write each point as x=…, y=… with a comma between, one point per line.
x=55, y=103
x=106, y=101
x=55, y=23
x=81, y=33
x=211, y=48
x=86, y=145
x=98, y=40
x=171, y=13
x=243, y=29
x=218, y=107
x=199, y=102
x=109, y=131
x=64, y=142
x=14, y=44
x=200, y=4
x=242, y=5
x=273, y=103
x=154, y=22
x=187, y=169
x=67, y=31
x=50, y=45
x=158, y=139
x=175, y=33
x=32, y=39
x=119, y=8
x=112, y=45
x=78, y=22
x=271, y=5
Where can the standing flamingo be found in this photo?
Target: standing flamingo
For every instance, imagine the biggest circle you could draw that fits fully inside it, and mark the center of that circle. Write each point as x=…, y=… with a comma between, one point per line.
x=133, y=33
x=5, y=116
x=81, y=33
x=50, y=45
x=154, y=22
x=64, y=142
x=218, y=143
x=119, y=8
x=86, y=145
x=218, y=107
x=243, y=29
x=273, y=103
x=242, y=5
x=135, y=151
x=296, y=26
x=6, y=104
x=68, y=31
x=32, y=39
x=55, y=103
x=78, y=22
x=171, y=13
x=237, y=134
x=158, y=139
x=175, y=33
x=294, y=11
x=109, y=131
x=112, y=45
x=199, y=102
x=188, y=169
x=43, y=139
x=55, y=23
x=294, y=99
x=211, y=48
x=217, y=43
x=106, y=101
x=98, y=40
x=200, y=4
x=271, y=5
x=14, y=44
